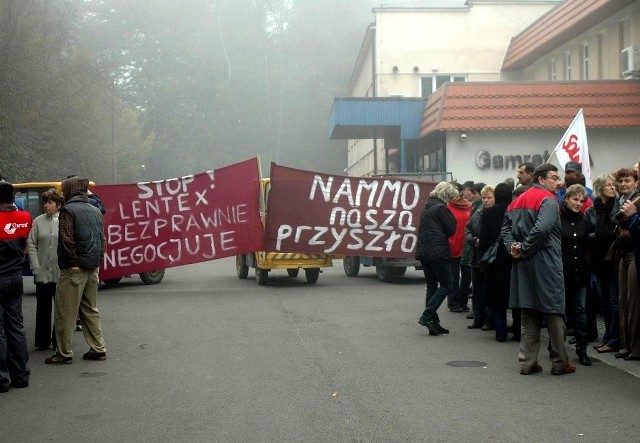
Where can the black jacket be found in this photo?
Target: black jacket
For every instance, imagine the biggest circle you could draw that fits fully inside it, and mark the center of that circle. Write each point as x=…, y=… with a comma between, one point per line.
x=437, y=224
x=575, y=240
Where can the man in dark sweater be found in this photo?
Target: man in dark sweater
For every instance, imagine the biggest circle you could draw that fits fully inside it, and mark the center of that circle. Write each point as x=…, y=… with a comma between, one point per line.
x=81, y=248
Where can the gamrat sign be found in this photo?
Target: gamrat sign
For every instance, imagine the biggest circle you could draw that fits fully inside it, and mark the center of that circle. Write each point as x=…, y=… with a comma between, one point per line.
x=166, y=223
x=484, y=160
x=318, y=213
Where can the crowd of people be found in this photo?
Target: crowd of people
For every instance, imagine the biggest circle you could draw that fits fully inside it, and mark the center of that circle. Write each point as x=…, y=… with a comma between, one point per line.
x=65, y=246
x=549, y=249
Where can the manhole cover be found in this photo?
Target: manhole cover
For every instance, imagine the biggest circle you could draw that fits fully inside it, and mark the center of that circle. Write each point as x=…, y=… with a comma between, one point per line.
x=467, y=364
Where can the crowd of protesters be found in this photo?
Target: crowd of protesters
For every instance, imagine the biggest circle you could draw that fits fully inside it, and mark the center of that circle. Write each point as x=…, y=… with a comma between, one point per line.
x=550, y=250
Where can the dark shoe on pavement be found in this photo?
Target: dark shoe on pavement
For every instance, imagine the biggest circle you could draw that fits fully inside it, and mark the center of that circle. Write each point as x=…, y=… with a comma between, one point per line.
x=465, y=308
x=621, y=354
x=56, y=359
x=19, y=384
x=440, y=329
x=4, y=389
x=470, y=316
x=632, y=358
x=568, y=368
x=584, y=359
x=573, y=341
x=532, y=370
x=93, y=355
x=456, y=309
x=474, y=326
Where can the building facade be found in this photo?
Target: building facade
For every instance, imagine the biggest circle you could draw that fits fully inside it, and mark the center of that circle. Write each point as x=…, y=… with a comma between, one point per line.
x=501, y=81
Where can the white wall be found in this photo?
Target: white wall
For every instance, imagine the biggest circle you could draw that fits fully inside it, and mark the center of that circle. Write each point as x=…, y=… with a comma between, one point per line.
x=609, y=149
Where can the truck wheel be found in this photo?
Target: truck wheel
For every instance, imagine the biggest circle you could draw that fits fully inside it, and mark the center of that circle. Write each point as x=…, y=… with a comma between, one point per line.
x=293, y=272
x=385, y=273
x=312, y=274
x=241, y=267
x=152, y=277
x=262, y=275
x=351, y=266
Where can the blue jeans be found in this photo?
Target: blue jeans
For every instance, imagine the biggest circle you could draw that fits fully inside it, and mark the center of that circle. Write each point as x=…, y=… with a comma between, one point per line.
x=576, y=299
x=14, y=355
x=437, y=273
x=608, y=292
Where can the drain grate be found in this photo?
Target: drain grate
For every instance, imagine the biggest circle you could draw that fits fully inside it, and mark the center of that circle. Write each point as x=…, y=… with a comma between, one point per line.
x=467, y=364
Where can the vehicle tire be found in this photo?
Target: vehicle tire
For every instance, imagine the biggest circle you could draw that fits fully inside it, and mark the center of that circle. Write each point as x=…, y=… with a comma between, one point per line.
x=112, y=282
x=152, y=277
x=384, y=273
x=241, y=267
x=312, y=274
x=351, y=266
x=262, y=275
x=400, y=271
x=293, y=272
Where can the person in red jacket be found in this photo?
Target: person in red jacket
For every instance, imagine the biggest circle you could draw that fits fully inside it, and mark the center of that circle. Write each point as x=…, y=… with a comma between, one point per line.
x=14, y=229
x=461, y=210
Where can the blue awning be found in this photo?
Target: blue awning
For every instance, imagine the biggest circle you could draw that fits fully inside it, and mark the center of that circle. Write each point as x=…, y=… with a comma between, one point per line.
x=375, y=117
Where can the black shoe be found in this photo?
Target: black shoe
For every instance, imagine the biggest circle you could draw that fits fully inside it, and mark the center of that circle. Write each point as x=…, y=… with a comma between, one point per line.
x=19, y=385
x=440, y=329
x=487, y=327
x=469, y=316
x=4, y=389
x=501, y=339
x=93, y=355
x=573, y=341
x=465, y=308
x=456, y=309
x=584, y=359
x=474, y=326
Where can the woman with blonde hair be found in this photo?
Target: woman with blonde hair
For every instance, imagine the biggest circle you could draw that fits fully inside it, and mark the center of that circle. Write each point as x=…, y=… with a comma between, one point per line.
x=437, y=224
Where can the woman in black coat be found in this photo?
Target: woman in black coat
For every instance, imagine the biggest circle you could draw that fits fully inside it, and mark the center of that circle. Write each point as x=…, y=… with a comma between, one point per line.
x=575, y=239
x=495, y=292
x=437, y=224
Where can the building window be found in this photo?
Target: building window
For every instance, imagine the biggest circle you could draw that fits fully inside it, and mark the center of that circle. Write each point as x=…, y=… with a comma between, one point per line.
x=567, y=66
x=585, y=61
x=552, y=70
x=429, y=83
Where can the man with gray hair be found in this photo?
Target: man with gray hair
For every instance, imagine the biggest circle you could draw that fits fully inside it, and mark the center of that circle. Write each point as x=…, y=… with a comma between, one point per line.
x=532, y=233
x=437, y=224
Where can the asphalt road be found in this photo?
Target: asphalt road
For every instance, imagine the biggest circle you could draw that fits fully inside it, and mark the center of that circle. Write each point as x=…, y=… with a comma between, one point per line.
x=205, y=356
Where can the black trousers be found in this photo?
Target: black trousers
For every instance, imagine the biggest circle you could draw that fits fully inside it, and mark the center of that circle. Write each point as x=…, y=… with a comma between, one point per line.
x=45, y=294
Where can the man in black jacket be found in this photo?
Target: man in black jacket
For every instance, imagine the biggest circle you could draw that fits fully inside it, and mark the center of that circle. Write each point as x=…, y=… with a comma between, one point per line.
x=81, y=248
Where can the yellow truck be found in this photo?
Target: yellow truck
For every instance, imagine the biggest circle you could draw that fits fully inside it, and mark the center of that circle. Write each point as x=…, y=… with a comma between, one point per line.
x=263, y=261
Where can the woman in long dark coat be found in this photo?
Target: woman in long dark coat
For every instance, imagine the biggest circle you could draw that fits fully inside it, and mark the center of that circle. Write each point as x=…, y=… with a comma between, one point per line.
x=495, y=291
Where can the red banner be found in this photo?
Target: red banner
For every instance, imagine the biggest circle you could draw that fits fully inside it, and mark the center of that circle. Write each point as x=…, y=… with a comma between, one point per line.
x=201, y=217
x=330, y=214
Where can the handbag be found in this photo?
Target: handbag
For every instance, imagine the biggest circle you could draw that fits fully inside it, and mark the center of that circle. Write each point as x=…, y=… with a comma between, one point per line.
x=488, y=257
